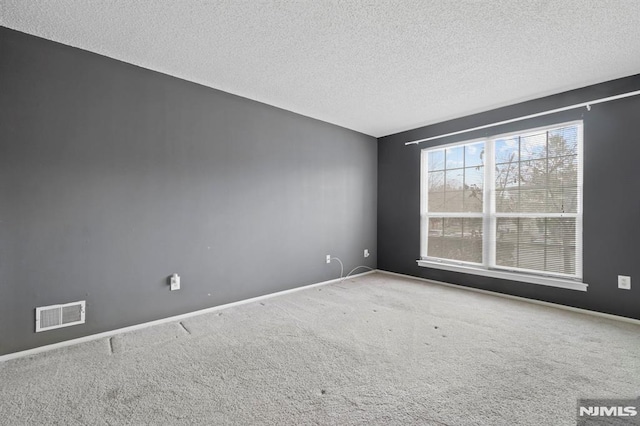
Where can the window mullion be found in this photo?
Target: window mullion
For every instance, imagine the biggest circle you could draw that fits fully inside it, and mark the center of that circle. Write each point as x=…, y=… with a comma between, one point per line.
x=488, y=209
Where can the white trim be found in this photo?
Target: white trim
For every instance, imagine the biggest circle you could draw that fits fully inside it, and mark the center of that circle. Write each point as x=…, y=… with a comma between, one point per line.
x=535, y=272
x=424, y=202
x=453, y=145
x=536, y=131
x=464, y=215
x=89, y=338
x=580, y=207
x=521, y=299
x=526, y=117
x=532, y=279
x=535, y=215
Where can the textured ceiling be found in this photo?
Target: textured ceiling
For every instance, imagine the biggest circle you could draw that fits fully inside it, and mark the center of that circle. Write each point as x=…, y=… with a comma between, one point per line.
x=378, y=66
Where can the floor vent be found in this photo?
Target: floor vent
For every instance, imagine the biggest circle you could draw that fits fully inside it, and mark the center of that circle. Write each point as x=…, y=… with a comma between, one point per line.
x=57, y=316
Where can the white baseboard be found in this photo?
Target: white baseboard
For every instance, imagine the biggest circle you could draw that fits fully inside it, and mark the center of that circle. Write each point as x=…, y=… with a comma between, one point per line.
x=522, y=299
x=91, y=337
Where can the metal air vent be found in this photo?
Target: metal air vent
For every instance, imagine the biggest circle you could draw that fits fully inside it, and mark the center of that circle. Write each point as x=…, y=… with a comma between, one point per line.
x=57, y=316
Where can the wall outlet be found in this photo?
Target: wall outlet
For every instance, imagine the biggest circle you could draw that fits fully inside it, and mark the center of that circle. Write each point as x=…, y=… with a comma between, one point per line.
x=366, y=252
x=175, y=282
x=624, y=282
x=328, y=258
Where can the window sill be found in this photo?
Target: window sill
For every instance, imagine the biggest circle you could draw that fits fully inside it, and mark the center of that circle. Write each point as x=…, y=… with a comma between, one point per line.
x=512, y=276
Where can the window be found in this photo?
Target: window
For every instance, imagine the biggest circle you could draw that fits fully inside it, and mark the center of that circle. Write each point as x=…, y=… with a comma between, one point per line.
x=506, y=205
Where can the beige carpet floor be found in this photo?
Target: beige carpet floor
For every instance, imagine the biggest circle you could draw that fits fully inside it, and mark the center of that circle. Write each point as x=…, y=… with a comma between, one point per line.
x=375, y=349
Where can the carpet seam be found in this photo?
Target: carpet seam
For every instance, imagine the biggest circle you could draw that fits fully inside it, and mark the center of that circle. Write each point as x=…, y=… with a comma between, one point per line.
x=184, y=328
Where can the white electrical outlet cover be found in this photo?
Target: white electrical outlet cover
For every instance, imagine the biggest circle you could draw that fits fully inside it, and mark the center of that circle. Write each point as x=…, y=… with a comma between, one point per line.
x=624, y=282
x=175, y=282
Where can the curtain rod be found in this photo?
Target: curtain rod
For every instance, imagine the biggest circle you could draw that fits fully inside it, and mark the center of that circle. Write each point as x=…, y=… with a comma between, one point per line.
x=539, y=114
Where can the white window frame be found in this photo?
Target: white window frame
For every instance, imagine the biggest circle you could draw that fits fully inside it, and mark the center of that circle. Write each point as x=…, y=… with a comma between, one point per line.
x=489, y=215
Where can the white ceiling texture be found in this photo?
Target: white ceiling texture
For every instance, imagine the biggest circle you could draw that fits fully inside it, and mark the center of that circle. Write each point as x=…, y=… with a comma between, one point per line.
x=375, y=66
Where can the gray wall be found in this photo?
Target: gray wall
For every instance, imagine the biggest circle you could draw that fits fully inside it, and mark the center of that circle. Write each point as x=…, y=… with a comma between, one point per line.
x=112, y=177
x=611, y=216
